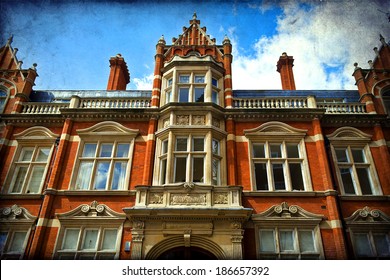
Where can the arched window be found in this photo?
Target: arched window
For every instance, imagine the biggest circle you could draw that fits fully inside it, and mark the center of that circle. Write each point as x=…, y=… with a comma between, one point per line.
x=386, y=101
x=3, y=98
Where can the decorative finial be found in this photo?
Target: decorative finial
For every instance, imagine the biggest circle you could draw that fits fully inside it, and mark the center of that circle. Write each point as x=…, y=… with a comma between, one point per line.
x=194, y=16
x=284, y=54
x=161, y=40
x=34, y=66
x=382, y=39
x=356, y=66
x=226, y=40
x=10, y=39
x=370, y=63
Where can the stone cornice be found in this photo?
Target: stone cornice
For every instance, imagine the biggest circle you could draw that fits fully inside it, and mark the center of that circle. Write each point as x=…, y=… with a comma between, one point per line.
x=352, y=119
x=275, y=114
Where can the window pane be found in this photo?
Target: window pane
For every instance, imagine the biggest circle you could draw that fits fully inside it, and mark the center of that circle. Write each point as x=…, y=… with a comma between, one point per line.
x=306, y=241
x=364, y=180
x=258, y=151
x=261, y=176
x=286, y=240
x=215, y=147
x=277, y=170
x=43, y=154
x=275, y=151
x=199, y=79
x=26, y=154
x=296, y=176
x=3, y=238
x=168, y=96
x=382, y=244
x=199, y=94
x=292, y=151
x=347, y=181
x=17, y=241
x=164, y=147
x=214, y=82
x=70, y=239
x=181, y=144
x=214, y=97
x=185, y=79
x=183, y=94
x=106, y=150
x=84, y=176
x=198, y=144
x=180, y=169
x=89, y=150
x=19, y=179
x=197, y=170
x=267, y=241
x=341, y=155
x=101, y=175
x=358, y=155
x=118, y=180
x=109, y=240
x=215, y=171
x=170, y=82
x=90, y=239
x=163, y=171
x=362, y=245
x=122, y=150
x=36, y=179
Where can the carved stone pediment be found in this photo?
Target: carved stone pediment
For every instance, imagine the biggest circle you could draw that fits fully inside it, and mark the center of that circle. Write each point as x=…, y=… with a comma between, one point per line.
x=367, y=215
x=284, y=212
x=350, y=135
x=274, y=129
x=94, y=209
x=108, y=128
x=16, y=213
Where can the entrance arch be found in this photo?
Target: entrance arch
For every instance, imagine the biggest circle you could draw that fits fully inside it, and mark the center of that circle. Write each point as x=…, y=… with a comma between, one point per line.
x=199, y=248
x=187, y=253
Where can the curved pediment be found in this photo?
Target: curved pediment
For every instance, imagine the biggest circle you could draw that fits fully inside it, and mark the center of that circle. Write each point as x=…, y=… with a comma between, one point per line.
x=274, y=129
x=36, y=132
x=94, y=209
x=350, y=133
x=108, y=128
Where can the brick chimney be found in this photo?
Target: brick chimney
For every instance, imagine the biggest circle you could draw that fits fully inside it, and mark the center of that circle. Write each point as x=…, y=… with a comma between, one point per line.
x=284, y=67
x=119, y=74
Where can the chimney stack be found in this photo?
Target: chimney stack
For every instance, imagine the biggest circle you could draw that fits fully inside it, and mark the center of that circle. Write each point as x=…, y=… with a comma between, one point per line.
x=284, y=67
x=119, y=74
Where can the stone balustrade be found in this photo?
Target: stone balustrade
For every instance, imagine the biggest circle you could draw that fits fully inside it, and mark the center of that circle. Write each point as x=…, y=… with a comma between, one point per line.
x=343, y=108
x=42, y=108
x=114, y=103
x=270, y=103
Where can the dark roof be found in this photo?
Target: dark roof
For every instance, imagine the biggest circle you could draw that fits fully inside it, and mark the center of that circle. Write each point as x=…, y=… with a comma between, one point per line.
x=345, y=95
x=66, y=95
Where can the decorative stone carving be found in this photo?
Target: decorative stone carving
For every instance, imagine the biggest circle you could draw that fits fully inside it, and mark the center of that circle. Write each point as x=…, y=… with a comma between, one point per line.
x=236, y=225
x=186, y=199
x=183, y=120
x=138, y=224
x=15, y=212
x=221, y=198
x=189, y=186
x=368, y=215
x=216, y=123
x=156, y=198
x=198, y=120
x=92, y=210
x=166, y=122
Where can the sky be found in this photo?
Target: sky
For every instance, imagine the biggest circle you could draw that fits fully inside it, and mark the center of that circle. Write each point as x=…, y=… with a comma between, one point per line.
x=72, y=41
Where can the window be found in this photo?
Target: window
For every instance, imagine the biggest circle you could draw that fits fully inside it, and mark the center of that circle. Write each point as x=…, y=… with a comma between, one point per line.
x=278, y=166
x=189, y=152
x=354, y=170
x=3, y=98
x=104, y=157
x=386, y=102
x=216, y=164
x=89, y=243
x=30, y=169
x=103, y=166
x=12, y=243
x=288, y=243
x=371, y=244
x=191, y=88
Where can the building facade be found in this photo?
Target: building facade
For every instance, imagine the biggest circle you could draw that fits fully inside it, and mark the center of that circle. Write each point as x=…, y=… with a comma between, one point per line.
x=194, y=169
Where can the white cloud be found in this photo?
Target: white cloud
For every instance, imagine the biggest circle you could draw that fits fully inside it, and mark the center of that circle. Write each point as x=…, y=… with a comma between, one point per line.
x=330, y=34
x=144, y=83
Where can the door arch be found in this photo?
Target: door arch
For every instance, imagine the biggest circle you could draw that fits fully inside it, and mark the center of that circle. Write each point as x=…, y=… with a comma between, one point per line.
x=187, y=253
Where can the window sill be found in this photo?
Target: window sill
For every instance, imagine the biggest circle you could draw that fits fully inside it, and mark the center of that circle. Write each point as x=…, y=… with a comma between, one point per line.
x=12, y=196
x=96, y=193
x=365, y=197
x=291, y=193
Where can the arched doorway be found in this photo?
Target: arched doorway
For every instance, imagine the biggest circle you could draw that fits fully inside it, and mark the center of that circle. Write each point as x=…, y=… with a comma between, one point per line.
x=187, y=253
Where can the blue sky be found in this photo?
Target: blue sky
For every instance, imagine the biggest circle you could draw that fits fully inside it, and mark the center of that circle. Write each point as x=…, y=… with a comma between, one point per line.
x=72, y=41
